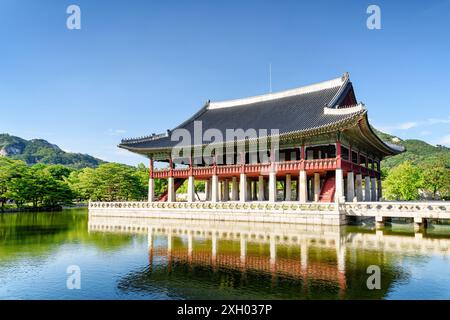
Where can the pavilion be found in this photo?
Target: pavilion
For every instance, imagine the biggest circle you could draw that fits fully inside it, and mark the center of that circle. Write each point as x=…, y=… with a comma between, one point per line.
x=324, y=149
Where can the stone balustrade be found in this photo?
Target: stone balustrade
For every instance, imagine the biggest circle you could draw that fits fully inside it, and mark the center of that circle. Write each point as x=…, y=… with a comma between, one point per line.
x=286, y=212
x=283, y=212
x=430, y=210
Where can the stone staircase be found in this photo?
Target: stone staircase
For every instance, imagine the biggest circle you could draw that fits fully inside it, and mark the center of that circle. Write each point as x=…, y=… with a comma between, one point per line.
x=328, y=189
x=177, y=183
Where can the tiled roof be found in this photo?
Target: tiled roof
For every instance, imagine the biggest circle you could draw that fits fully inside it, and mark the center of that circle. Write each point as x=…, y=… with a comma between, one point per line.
x=295, y=110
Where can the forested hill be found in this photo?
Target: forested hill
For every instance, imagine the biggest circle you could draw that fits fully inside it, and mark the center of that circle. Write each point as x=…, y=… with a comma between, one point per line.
x=41, y=151
x=417, y=151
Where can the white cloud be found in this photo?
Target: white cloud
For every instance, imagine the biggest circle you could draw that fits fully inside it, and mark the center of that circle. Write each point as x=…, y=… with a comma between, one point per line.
x=407, y=125
x=414, y=124
x=116, y=132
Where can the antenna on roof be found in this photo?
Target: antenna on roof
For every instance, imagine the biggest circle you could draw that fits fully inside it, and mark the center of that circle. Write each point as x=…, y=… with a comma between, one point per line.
x=270, y=77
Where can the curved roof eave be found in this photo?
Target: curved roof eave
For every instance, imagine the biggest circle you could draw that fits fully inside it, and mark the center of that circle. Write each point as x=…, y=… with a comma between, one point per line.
x=389, y=149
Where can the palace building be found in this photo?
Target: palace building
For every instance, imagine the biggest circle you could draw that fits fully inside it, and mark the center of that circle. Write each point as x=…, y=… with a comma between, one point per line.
x=318, y=146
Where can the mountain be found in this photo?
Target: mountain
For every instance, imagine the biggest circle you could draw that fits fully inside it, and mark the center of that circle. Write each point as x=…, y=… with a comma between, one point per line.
x=417, y=151
x=41, y=151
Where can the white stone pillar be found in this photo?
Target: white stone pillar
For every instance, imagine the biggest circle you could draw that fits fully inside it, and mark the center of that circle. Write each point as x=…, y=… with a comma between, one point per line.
x=215, y=188
x=380, y=190
x=191, y=189
x=367, y=188
x=243, y=187
x=220, y=195
x=272, y=187
x=261, y=188
x=303, y=190
x=373, y=191
x=358, y=186
x=379, y=221
x=249, y=190
x=339, y=193
x=288, y=187
x=234, y=189
x=207, y=192
x=151, y=190
x=316, y=187
x=226, y=190
x=170, y=190
x=350, y=187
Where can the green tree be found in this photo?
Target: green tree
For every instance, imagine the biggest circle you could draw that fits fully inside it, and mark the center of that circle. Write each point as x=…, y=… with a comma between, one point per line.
x=403, y=182
x=111, y=182
x=437, y=179
x=39, y=186
x=10, y=170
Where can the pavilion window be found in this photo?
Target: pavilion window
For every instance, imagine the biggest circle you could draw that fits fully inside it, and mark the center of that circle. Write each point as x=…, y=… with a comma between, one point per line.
x=345, y=153
x=354, y=157
x=363, y=160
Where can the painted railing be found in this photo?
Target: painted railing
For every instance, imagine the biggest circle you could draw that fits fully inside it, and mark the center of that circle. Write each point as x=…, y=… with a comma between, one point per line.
x=321, y=164
x=251, y=169
x=350, y=166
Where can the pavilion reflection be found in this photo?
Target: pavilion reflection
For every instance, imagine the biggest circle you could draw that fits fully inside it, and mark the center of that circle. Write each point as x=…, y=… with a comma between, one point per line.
x=303, y=253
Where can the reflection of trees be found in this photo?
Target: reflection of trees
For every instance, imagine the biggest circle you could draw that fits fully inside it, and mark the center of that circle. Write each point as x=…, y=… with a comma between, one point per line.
x=391, y=273
x=36, y=234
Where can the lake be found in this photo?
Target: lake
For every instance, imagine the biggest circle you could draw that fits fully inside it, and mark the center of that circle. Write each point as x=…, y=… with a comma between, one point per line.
x=174, y=259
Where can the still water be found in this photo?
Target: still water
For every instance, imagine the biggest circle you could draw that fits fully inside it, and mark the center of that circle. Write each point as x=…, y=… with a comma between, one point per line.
x=123, y=258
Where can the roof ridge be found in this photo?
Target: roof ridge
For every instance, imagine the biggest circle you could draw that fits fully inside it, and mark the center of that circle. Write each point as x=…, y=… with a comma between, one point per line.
x=328, y=84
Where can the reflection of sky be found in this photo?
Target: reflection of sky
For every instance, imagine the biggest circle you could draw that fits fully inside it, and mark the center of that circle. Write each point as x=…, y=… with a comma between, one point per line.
x=429, y=279
x=45, y=278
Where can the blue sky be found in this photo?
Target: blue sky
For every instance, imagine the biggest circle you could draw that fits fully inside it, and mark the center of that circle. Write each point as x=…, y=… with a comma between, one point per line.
x=138, y=67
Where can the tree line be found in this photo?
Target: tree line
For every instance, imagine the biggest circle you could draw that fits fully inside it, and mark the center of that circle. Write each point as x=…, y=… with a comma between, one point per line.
x=53, y=186
x=409, y=181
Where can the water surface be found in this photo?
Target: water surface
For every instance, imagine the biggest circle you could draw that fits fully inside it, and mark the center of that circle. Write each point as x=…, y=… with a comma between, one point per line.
x=173, y=259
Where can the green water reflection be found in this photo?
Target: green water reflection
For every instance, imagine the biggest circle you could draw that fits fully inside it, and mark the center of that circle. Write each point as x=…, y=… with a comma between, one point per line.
x=124, y=258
